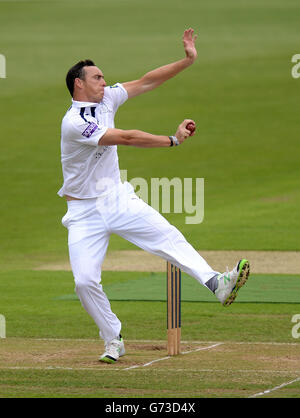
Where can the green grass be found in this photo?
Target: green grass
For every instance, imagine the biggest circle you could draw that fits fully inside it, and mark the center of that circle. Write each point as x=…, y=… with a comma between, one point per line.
x=245, y=102
x=145, y=286
x=145, y=384
x=52, y=345
x=43, y=304
x=240, y=92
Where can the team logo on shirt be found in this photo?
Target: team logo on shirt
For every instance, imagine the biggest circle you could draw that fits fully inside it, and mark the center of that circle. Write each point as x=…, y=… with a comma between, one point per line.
x=88, y=132
x=100, y=153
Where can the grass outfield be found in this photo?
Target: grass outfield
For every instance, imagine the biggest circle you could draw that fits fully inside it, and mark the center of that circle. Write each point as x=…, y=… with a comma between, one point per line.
x=240, y=92
x=245, y=102
x=38, y=304
x=51, y=349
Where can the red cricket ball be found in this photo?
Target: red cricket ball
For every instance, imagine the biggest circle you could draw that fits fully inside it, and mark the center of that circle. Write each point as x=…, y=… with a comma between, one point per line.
x=191, y=127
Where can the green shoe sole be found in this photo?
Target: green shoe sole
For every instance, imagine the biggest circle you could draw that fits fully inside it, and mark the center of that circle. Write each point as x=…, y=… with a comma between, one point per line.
x=244, y=271
x=107, y=360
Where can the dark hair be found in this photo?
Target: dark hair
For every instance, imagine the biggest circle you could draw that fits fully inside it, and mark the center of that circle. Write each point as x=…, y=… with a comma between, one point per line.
x=77, y=71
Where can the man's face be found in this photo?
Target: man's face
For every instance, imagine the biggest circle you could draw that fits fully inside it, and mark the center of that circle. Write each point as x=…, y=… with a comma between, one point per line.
x=93, y=84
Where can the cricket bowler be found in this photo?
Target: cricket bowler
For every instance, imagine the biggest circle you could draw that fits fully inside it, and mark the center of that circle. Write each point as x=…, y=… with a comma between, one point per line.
x=99, y=204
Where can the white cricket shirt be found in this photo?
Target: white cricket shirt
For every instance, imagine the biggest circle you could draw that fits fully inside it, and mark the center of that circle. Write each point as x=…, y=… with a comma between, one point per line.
x=89, y=168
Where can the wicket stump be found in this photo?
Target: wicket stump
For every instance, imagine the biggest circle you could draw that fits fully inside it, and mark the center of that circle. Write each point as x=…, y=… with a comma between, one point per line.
x=173, y=308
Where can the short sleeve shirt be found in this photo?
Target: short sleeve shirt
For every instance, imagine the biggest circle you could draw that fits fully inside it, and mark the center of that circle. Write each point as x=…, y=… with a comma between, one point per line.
x=85, y=162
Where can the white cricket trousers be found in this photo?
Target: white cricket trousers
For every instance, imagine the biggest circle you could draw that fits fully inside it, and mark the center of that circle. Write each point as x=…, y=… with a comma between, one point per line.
x=90, y=223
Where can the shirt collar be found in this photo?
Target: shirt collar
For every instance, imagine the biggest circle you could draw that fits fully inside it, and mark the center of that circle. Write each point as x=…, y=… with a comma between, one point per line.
x=75, y=103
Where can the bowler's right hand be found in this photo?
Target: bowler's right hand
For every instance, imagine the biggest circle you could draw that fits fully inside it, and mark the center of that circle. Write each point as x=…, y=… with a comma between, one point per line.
x=182, y=133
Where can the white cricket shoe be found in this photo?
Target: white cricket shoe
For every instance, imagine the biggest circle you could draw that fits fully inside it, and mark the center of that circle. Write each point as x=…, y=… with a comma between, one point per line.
x=229, y=283
x=113, y=350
